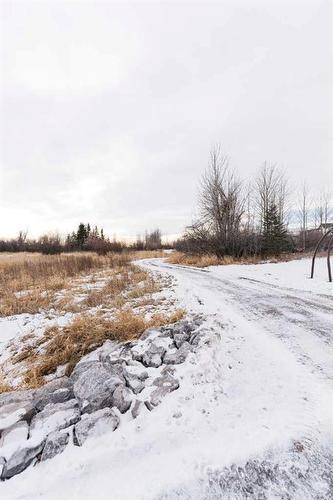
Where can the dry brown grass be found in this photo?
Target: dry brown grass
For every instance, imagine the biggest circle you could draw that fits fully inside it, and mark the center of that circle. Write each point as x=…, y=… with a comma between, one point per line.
x=124, y=284
x=199, y=260
x=4, y=386
x=102, y=291
x=213, y=260
x=148, y=254
x=29, y=282
x=67, y=345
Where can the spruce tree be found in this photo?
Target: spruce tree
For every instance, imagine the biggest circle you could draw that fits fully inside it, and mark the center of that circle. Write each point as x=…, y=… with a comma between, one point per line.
x=81, y=235
x=274, y=236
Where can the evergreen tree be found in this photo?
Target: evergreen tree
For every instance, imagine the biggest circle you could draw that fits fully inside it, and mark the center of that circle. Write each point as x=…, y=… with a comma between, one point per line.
x=274, y=236
x=81, y=235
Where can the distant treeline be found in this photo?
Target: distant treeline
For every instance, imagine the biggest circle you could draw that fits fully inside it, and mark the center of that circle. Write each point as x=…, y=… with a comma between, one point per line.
x=85, y=238
x=262, y=216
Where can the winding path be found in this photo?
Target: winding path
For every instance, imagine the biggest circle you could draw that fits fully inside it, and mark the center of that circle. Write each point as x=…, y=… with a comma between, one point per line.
x=274, y=360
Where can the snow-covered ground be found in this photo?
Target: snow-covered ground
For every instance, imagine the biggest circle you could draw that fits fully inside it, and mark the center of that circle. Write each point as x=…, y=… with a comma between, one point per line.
x=253, y=417
x=22, y=333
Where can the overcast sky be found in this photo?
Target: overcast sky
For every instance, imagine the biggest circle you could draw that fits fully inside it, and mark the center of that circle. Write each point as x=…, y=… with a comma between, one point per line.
x=109, y=110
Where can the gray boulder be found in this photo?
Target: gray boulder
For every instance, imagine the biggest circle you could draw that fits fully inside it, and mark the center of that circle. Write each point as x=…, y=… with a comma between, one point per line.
x=16, y=433
x=178, y=356
x=137, y=355
x=2, y=466
x=187, y=327
x=180, y=338
x=166, y=332
x=164, y=385
x=142, y=375
x=116, y=367
x=55, y=444
x=81, y=368
x=150, y=332
x=195, y=338
x=148, y=405
x=16, y=397
x=122, y=398
x=134, y=382
x=95, y=424
x=22, y=458
x=183, y=328
x=136, y=408
x=14, y=412
x=94, y=386
x=55, y=417
x=136, y=368
x=153, y=356
x=167, y=382
x=56, y=391
x=125, y=353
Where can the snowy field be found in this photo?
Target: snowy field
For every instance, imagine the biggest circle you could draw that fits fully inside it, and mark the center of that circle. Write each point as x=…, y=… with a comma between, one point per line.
x=253, y=417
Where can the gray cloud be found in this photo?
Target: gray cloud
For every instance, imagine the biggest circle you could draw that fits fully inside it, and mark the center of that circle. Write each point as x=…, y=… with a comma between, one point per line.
x=108, y=110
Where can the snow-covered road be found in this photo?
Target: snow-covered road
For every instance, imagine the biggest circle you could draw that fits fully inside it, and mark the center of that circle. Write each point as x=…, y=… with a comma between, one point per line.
x=277, y=341
x=253, y=417
x=279, y=298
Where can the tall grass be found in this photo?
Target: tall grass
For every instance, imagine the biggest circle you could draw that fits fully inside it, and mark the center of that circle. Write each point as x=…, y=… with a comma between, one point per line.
x=119, y=305
x=28, y=284
x=25, y=272
x=199, y=260
x=67, y=345
x=205, y=260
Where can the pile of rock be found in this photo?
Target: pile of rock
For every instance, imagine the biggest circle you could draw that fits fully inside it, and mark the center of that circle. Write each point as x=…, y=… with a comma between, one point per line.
x=36, y=425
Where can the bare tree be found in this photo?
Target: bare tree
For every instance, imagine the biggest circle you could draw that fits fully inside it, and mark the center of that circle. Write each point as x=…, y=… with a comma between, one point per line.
x=221, y=202
x=327, y=204
x=271, y=189
x=249, y=212
x=303, y=212
x=323, y=210
x=153, y=240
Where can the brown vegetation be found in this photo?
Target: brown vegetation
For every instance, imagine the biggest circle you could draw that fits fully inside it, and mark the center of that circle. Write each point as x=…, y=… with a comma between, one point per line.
x=30, y=282
x=4, y=387
x=109, y=296
x=207, y=260
x=67, y=345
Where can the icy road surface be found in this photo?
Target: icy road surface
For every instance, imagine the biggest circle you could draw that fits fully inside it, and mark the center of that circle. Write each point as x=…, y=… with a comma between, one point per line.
x=253, y=417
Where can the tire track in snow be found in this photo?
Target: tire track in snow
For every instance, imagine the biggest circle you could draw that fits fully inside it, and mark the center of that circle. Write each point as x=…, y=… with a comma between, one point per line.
x=297, y=326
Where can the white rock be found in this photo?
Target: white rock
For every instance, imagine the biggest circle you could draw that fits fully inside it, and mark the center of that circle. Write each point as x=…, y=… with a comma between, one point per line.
x=2, y=466
x=55, y=417
x=95, y=424
x=178, y=356
x=164, y=385
x=16, y=433
x=134, y=383
x=56, y=391
x=22, y=457
x=136, y=408
x=55, y=444
x=16, y=397
x=94, y=386
x=14, y=412
x=122, y=398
